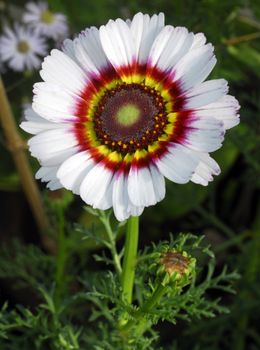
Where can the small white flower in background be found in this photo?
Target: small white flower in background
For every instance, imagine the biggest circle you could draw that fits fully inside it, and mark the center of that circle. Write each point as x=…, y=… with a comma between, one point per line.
x=20, y=48
x=43, y=21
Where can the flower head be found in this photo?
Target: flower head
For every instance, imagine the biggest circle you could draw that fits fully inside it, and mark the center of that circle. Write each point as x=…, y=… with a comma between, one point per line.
x=20, y=48
x=176, y=265
x=43, y=21
x=123, y=107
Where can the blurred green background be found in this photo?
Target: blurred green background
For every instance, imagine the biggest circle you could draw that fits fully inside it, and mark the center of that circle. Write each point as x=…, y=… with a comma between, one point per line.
x=226, y=212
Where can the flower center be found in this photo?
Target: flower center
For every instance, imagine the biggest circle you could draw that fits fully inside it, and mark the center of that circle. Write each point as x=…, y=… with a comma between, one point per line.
x=130, y=117
x=23, y=46
x=47, y=17
x=127, y=115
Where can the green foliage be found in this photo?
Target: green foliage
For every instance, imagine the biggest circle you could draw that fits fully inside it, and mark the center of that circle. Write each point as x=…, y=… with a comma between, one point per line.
x=85, y=312
x=43, y=329
x=193, y=303
x=28, y=266
x=90, y=316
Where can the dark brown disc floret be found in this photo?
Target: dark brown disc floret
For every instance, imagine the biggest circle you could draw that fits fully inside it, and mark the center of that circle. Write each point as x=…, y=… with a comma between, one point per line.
x=130, y=117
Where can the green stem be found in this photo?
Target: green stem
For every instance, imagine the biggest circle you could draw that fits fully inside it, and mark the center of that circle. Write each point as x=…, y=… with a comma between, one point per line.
x=130, y=254
x=156, y=296
x=112, y=242
x=61, y=257
x=148, y=306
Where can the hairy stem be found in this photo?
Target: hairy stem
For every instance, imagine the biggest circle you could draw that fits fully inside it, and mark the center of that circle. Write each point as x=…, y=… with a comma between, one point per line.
x=112, y=242
x=139, y=322
x=155, y=298
x=130, y=254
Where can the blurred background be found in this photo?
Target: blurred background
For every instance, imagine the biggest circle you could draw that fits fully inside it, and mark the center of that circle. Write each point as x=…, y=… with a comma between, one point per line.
x=226, y=212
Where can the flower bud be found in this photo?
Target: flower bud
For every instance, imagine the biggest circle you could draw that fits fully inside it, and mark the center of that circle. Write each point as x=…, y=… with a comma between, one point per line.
x=176, y=266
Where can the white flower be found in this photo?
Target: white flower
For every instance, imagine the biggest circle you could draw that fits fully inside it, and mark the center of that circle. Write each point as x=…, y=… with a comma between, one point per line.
x=20, y=48
x=43, y=21
x=125, y=106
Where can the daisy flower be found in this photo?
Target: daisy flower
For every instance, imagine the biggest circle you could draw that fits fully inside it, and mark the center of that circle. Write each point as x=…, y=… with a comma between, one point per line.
x=43, y=21
x=125, y=106
x=20, y=48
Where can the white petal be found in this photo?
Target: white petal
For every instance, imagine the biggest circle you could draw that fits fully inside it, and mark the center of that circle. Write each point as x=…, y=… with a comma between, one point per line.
x=204, y=134
x=35, y=124
x=73, y=170
x=82, y=56
x=48, y=174
x=137, y=27
x=30, y=115
x=169, y=46
x=199, y=40
x=120, y=197
x=51, y=143
x=106, y=202
x=225, y=110
x=60, y=69
x=134, y=210
x=144, y=30
x=94, y=187
x=91, y=46
x=54, y=185
x=68, y=49
x=56, y=158
x=140, y=187
x=205, y=170
x=158, y=183
x=194, y=67
x=122, y=205
x=122, y=31
x=117, y=42
x=36, y=8
x=54, y=103
x=205, y=93
x=17, y=63
x=178, y=164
